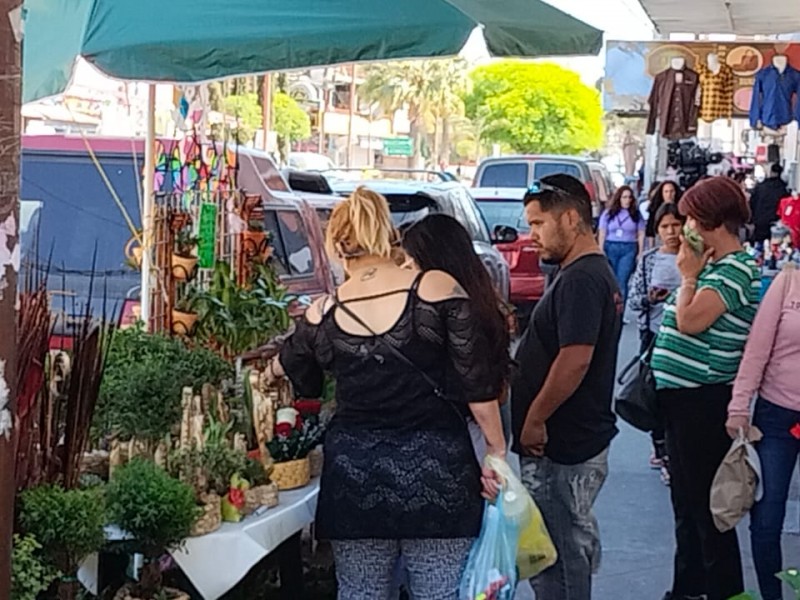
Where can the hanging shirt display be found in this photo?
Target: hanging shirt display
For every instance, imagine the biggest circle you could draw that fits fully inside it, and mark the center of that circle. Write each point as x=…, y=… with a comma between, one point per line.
x=772, y=97
x=716, y=92
x=789, y=212
x=674, y=102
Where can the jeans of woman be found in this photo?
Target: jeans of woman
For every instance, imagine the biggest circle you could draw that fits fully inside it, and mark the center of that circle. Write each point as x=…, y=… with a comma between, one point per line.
x=707, y=562
x=778, y=452
x=622, y=256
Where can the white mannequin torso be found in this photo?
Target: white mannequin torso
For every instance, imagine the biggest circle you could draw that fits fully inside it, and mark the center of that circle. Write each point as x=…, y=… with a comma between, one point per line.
x=677, y=63
x=780, y=62
x=713, y=63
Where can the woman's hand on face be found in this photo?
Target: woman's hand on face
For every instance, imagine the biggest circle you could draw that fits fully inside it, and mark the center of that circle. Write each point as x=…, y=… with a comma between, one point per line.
x=690, y=264
x=735, y=423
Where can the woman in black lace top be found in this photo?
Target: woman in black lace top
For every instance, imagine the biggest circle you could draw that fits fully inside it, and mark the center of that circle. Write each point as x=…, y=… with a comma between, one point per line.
x=400, y=476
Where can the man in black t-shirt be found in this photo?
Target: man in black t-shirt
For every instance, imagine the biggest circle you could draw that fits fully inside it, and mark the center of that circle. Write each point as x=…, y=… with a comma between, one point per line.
x=561, y=397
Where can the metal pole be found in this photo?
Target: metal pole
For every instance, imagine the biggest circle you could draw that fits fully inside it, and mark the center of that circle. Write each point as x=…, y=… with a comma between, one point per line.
x=267, y=116
x=10, y=92
x=147, y=203
x=352, y=115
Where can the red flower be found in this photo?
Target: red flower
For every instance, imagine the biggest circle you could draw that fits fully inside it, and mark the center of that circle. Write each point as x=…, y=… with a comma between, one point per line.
x=283, y=429
x=308, y=407
x=795, y=431
x=236, y=497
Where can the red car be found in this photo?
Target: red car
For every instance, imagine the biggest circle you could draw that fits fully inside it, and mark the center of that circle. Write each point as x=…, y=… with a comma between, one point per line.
x=502, y=207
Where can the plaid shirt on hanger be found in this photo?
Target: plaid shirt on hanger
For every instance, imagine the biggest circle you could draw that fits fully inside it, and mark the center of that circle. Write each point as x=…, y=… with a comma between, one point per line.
x=716, y=89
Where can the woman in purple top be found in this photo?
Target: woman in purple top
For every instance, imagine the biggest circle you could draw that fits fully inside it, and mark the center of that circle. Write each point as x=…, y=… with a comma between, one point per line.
x=621, y=232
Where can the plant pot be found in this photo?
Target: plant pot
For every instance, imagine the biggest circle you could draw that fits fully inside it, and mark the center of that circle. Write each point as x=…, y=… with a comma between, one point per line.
x=316, y=460
x=183, y=323
x=262, y=495
x=292, y=474
x=184, y=268
x=126, y=593
x=254, y=243
x=211, y=518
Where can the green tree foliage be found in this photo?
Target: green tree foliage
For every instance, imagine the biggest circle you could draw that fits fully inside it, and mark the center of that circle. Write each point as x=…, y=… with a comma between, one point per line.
x=535, y=107
x=247, y=111
x=292, y=123
x=30, y=574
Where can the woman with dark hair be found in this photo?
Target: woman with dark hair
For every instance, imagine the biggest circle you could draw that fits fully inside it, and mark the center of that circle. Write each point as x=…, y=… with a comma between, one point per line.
x=621, y=235
x=656, y=277
x=440, y=243
x=667, y=192
x=695, y=360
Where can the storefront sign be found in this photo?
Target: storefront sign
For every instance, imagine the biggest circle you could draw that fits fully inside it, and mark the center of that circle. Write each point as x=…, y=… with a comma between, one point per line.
x=207, y=236
x=631, y=67
x=402, y=146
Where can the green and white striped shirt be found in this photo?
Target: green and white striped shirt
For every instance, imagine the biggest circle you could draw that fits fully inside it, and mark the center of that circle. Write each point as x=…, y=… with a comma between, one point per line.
x=681, y=360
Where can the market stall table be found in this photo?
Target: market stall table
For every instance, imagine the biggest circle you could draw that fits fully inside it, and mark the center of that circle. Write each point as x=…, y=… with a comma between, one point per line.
x=217, y=561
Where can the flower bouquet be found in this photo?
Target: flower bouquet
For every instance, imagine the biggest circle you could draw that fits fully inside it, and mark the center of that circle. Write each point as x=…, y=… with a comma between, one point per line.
x=297, y=433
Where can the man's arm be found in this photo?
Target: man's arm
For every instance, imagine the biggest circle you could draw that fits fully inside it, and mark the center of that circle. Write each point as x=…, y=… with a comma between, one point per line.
x=565, y=375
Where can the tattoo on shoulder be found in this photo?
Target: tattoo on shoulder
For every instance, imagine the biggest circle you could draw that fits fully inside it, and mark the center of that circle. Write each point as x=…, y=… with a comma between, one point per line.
x=458, y=290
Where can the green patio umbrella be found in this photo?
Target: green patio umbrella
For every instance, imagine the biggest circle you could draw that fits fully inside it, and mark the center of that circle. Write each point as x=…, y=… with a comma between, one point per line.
x=183, y=41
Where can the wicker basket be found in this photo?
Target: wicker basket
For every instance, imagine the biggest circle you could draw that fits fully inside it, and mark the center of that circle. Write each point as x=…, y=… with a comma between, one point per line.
x=262, y=495
x=211, y=518
x=316, y=458
x=291, y=475
x=125, y=593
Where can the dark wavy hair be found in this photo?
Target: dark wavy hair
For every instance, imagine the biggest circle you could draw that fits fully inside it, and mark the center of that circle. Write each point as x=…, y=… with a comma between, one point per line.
x=656, y=200
x=439, y=242
x=615, y=207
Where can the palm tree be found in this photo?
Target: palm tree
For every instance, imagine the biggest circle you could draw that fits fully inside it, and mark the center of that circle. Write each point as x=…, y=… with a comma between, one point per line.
x=430, y=90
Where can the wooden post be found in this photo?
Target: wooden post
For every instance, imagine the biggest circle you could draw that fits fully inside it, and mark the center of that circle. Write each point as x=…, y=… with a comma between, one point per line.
x=10, y=97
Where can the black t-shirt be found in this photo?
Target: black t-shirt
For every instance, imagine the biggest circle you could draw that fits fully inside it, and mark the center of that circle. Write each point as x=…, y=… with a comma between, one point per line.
x=583, y=306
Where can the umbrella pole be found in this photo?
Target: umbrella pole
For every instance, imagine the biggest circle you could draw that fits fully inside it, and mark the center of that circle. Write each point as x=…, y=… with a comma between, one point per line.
x=147, y=203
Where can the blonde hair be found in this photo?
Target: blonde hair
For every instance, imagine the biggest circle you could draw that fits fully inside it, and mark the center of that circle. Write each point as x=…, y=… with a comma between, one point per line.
x=361, y=226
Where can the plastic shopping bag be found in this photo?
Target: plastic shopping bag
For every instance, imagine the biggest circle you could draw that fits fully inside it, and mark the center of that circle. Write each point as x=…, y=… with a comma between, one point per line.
x=491, y=572
x=535, y=549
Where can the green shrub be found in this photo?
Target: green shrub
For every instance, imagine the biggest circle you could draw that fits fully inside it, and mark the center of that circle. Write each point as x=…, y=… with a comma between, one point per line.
x=154, y=508
x=67, y=523
x=30, y=574
x=143, y=380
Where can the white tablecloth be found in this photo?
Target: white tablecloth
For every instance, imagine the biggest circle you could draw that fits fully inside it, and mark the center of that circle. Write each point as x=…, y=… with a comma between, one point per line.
x=216, y=562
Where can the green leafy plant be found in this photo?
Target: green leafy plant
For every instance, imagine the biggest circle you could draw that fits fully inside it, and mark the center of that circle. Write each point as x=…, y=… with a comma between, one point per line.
x=789, y=576
x=219, y=460
x=255, y=473
x=185, y=242
x=67, y=523
x=233, y=319
x=144, y=376
x=30, y=573
x=157, y=510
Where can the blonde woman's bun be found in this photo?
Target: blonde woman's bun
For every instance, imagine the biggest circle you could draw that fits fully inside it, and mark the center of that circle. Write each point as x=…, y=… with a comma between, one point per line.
x=361, y=226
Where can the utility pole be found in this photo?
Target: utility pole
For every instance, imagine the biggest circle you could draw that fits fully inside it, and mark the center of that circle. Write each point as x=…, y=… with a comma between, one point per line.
x=350, y=121
x=267, y=109
x=10, y=97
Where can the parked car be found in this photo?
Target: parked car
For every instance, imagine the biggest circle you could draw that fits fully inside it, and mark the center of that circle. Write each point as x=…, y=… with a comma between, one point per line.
x=68, y=212
x=410, y=201
x=521, y=171
x=502, y=207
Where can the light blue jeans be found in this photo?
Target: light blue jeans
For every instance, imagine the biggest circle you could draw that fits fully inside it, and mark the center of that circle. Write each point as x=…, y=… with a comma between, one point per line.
x=566, y=494
x=622, y=256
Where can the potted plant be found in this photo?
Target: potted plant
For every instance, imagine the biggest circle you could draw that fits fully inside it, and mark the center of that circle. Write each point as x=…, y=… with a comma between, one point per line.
x=262, y=491
x=184, y=261
x=69, y=526
x=255, y=241
x=294, y=439
x=184, y=314
x=158, y=512
x=31, y=574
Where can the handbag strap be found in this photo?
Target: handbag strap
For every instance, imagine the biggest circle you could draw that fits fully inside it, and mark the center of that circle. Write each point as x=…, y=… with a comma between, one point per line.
x=398, y=354
x=646, y=288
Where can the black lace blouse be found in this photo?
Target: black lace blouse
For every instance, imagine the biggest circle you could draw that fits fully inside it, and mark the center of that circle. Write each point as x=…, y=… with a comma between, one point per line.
x=398, y=458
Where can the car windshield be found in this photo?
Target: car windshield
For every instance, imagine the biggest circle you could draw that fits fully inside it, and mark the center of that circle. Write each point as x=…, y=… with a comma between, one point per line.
x=510, y=213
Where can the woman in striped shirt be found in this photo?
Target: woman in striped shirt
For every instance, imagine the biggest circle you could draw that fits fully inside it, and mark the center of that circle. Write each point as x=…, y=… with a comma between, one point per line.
x=695, y=360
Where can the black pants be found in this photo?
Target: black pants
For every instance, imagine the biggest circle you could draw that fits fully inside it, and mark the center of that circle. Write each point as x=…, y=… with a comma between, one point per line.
x=706, y=561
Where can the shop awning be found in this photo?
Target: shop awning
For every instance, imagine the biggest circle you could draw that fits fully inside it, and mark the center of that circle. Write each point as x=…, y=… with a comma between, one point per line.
x=183, y=41
x=741, y=17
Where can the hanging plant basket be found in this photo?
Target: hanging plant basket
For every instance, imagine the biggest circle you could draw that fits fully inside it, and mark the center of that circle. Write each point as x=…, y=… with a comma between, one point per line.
x=184, y=268
x=183, y=323
x=255, y=244
x=292, y=474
